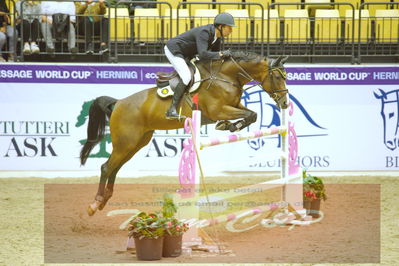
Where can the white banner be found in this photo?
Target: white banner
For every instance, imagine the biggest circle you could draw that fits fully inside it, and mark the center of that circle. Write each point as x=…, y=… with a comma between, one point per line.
x=346, y=119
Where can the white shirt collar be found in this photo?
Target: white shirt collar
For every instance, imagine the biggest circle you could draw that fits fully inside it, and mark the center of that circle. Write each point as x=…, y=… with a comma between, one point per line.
x=214, y=40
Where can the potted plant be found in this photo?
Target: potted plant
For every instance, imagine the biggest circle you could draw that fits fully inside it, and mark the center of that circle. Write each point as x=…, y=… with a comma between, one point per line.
x=174, y=229
x=173, y=239
x=147, y=231
x=313, y=192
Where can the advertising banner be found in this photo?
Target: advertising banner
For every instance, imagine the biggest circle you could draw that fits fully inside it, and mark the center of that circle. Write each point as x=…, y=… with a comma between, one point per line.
x=346, y=119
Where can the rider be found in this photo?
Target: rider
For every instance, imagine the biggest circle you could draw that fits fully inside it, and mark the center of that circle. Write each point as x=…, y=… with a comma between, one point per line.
x=204, y=41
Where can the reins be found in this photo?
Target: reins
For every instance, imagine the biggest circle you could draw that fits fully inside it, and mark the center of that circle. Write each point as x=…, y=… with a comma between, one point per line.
x=213, y=77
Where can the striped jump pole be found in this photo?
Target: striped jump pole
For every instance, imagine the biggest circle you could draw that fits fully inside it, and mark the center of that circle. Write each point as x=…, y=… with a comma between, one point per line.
x=239, y=137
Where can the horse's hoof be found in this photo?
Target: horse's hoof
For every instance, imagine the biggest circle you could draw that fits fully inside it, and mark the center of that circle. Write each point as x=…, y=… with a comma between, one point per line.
x=223, y=125
x=90, y=211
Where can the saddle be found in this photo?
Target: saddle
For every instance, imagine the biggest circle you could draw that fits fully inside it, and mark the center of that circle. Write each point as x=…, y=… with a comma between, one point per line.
x=171, y=79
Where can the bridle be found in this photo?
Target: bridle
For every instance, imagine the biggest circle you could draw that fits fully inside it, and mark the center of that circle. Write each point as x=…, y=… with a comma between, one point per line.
x=273, y=92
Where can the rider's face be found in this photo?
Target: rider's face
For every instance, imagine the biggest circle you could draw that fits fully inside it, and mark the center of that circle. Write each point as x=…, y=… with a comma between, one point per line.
x=226, y=30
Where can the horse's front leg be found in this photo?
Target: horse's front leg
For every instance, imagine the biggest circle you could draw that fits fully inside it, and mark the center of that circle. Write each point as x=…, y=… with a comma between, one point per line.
x=237, y=126
x=251, y=118
x=231, y=113
x=223, y=125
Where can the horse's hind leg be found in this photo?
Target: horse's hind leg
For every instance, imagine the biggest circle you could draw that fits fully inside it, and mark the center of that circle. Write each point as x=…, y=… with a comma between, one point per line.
x=119, y=156
x=110, y=166
x=111, y=180
x=100, y=193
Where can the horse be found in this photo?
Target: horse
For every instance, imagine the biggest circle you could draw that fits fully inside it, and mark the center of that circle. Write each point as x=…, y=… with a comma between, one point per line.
x=132, y=120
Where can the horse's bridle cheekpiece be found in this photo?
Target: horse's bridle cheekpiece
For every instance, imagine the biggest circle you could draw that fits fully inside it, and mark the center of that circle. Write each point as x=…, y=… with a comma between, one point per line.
x=277, y=65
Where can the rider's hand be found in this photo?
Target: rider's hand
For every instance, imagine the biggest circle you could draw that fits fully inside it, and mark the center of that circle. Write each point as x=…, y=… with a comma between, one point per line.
x=226, y=54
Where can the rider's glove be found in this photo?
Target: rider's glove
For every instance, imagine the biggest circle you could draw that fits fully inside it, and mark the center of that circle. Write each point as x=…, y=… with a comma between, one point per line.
x=226, y=54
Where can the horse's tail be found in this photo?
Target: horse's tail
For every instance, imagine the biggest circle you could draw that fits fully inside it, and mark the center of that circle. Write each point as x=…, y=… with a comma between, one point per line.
x=99, y=110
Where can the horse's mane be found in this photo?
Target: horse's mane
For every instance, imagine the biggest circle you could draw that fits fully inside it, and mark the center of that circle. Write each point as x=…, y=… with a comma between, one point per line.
x=247, y=56
x=242, y=56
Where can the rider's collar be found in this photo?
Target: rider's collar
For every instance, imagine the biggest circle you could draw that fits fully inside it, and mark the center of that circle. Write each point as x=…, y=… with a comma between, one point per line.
x=215, y=38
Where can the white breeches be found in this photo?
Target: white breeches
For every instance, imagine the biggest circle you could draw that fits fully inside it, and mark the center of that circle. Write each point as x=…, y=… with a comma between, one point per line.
x=180, y=65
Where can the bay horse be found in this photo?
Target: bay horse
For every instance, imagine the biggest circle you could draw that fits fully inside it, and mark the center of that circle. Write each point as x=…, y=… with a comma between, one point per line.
x=132, y=120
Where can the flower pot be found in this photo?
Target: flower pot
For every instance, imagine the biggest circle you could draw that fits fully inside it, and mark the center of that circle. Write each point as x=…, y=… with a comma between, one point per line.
x=172, y=246
x=312, y=207
x=149, y=248
x=306, y=205
x=315, y=208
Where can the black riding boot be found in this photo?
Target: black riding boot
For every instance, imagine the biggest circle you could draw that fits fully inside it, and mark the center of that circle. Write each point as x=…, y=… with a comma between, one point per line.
x=179, y=91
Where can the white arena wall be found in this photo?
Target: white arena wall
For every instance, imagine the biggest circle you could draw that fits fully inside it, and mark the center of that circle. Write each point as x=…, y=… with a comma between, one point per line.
x=346, y=118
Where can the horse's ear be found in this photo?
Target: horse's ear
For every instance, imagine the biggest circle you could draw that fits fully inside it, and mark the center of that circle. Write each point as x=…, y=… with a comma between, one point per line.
x=279, y=61
x=382, y=94
x=276, y=62
x=285, y=58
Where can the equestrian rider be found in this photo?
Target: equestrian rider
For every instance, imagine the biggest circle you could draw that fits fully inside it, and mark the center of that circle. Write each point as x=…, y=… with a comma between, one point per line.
x=204, y=41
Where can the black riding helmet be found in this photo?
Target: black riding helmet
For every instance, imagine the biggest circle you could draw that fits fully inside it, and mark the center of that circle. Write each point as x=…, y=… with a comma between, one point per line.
x=224, y=19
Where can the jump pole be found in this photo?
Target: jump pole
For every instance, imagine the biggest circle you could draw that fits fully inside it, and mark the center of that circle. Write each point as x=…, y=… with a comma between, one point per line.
x=189, y=168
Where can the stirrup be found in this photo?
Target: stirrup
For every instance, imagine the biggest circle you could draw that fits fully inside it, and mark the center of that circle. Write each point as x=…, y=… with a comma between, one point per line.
x=174, y=116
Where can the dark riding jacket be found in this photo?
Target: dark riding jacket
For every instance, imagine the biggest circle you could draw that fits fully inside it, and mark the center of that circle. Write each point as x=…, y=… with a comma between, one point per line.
x=196, y=41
